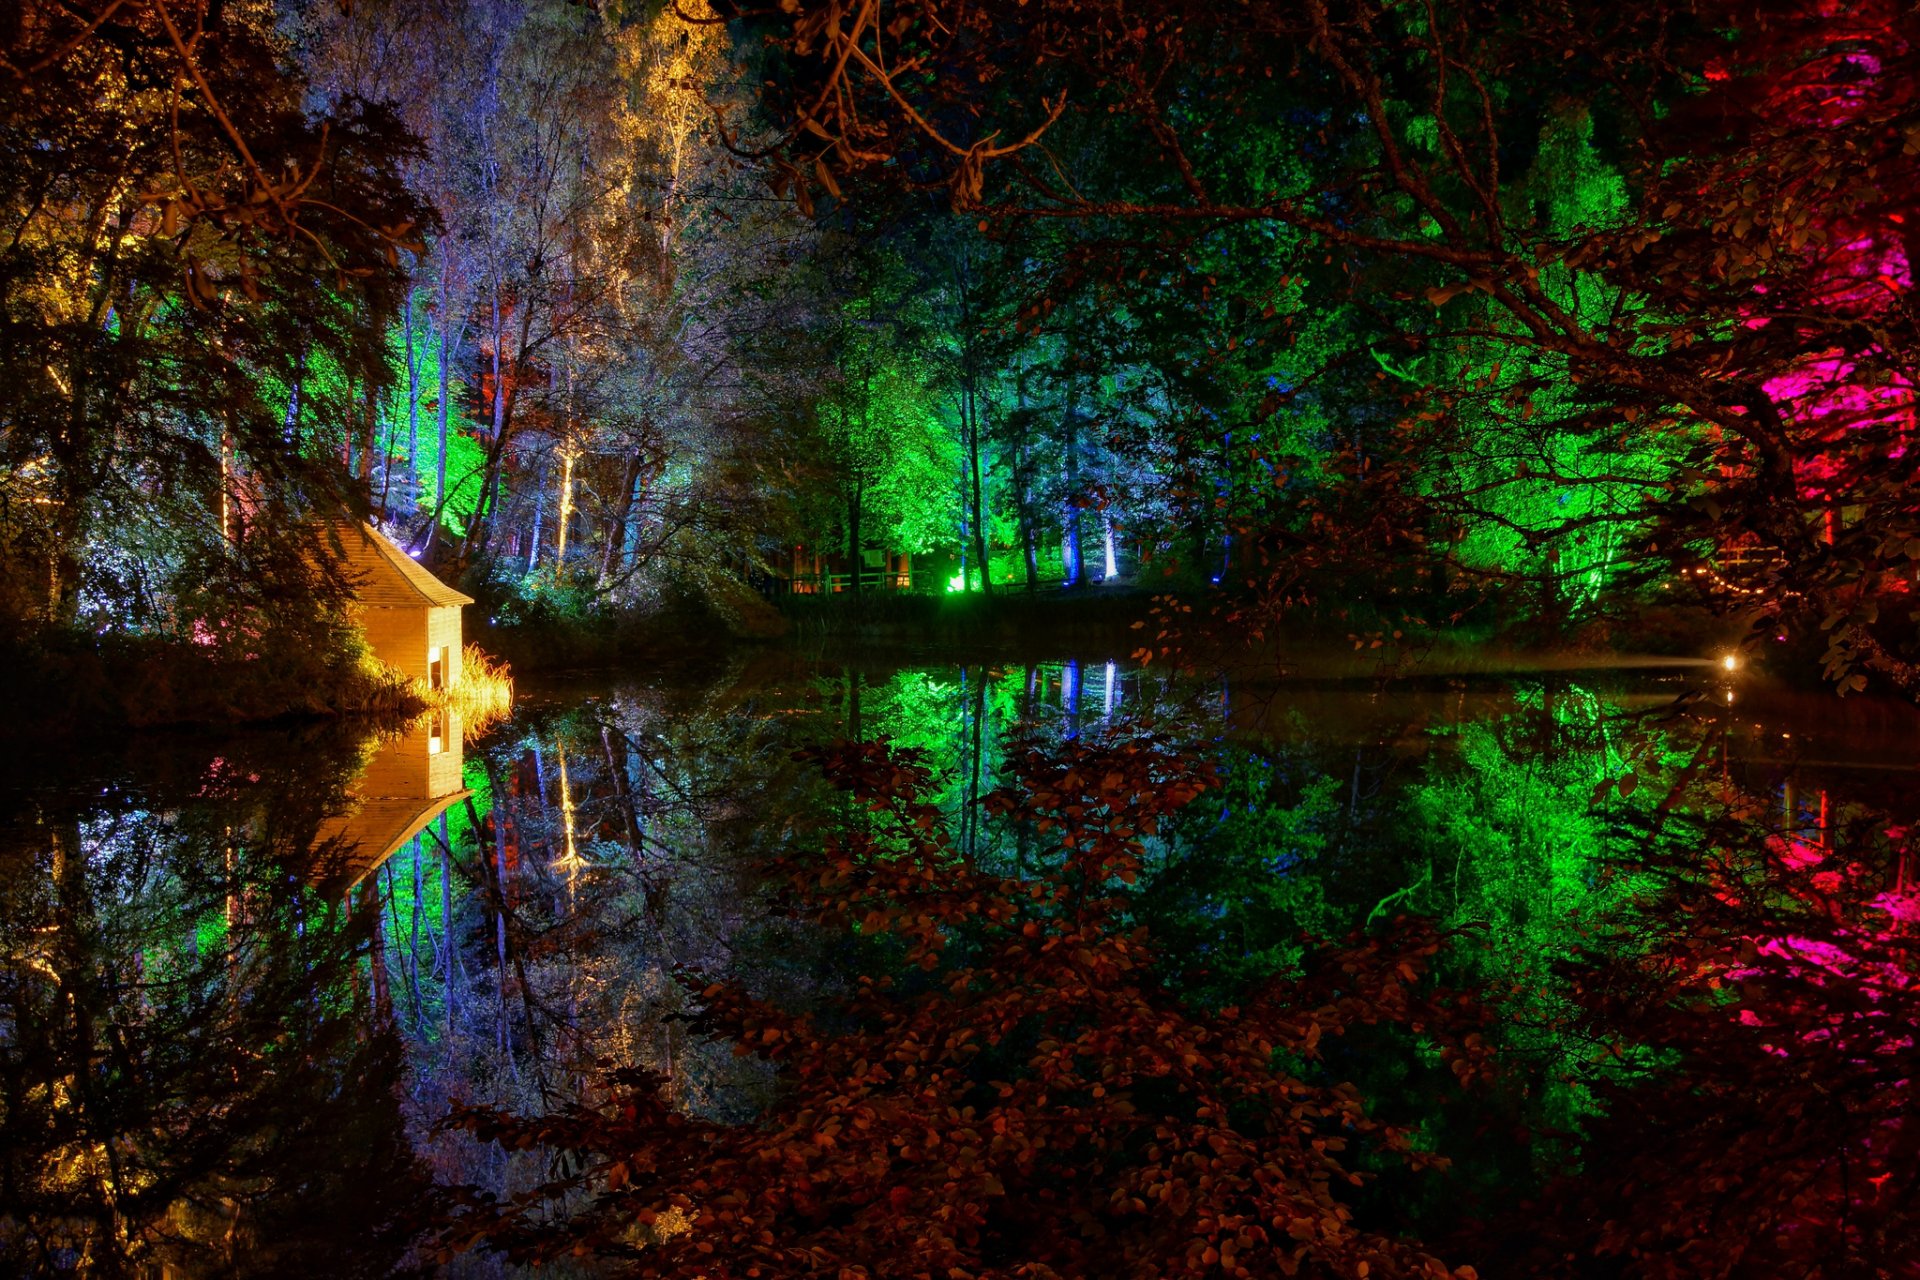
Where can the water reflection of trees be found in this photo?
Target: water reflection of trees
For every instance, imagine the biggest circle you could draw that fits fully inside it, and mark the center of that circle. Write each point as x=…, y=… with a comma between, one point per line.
x=1663, y=904
x=189, y=1072
x=215, y=1041
x=538, y=932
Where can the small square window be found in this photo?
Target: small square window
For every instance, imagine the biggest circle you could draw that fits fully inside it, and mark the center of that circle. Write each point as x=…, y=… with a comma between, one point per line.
x=437, y=669
x=437, y=732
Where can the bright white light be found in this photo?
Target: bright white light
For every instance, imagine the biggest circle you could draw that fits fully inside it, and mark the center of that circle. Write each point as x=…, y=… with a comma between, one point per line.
x=1730, y=662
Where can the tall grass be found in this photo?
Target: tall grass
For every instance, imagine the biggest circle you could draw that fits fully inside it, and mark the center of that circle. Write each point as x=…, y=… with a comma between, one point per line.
x=483, y=695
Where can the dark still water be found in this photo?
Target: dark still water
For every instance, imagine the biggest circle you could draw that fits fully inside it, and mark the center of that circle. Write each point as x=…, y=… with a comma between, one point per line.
x=241, y=979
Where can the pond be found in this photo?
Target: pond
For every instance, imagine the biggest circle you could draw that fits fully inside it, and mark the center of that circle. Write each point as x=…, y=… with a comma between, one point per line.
x=242, y=977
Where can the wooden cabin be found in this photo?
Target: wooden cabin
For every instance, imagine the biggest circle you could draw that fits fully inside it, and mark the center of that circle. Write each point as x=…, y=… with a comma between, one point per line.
x=411, y=618
x=814, y=571
x=409, y=781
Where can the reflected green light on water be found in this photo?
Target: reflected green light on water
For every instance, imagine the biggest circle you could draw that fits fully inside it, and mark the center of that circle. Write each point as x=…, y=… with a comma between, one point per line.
x=228, y=961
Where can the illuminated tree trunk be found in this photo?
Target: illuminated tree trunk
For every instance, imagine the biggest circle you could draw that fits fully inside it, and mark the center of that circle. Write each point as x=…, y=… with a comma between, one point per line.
x=539, y=511
x=386, y=443
x=1075, y=552
x=413, y=401
x=480, y=532
x=977, y=517
x=563, y=520
x=970, y=424
x=446, y=395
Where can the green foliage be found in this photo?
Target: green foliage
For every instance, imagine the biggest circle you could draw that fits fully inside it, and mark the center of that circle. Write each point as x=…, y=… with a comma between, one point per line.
x=1246, y=891
x=466, y=477
x=1553, y=489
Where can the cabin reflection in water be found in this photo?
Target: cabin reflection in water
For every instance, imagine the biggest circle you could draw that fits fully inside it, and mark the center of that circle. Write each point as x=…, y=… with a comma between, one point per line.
x=409, y=781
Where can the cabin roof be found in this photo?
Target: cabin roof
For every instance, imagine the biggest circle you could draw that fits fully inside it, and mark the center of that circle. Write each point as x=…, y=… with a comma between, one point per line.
x=351, y=846
x=389, y=577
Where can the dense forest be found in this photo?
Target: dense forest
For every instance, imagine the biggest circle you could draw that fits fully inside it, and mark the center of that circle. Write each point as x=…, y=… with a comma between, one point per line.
x=1392, y=318
x=1156, y=638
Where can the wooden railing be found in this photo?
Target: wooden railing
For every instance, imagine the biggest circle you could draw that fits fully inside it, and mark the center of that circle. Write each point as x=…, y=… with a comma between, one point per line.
x=894, y=580
x=821, y=584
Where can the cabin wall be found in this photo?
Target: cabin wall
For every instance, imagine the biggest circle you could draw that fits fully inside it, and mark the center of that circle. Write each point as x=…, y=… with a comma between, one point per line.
x=446, y=753
x=402, y=768
x=398, y=637
x=409, y=781
x=423, y=763
x=443, y=629
x=404, y=638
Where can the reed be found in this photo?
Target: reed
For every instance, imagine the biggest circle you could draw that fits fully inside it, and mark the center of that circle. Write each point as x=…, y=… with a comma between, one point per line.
x=484, y=693
x=481, y=698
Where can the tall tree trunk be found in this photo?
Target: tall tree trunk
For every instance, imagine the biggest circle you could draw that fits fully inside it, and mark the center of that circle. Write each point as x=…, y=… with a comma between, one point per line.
x=369, y=434
x=386, y=449
x=612, y=559
x=970, y=421
x=413, y=401
x=480, y=532
x=854, y=504
x=446, y=395
x=1076, y=556
x=1029, y=540
x=539, y=511
x=978, y=516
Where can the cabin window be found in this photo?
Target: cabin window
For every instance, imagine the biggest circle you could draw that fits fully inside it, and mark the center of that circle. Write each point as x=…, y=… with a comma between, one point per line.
x=437, y=732
x=437, y=668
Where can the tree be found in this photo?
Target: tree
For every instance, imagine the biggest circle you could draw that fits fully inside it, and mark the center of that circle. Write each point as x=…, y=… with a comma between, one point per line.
x=1735, y=357
x=183, y=241
x=1774, y=1131
x=195, y=1075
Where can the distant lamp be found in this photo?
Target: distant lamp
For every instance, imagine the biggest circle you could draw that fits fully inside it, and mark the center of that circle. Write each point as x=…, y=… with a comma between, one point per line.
x=1730, y=662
